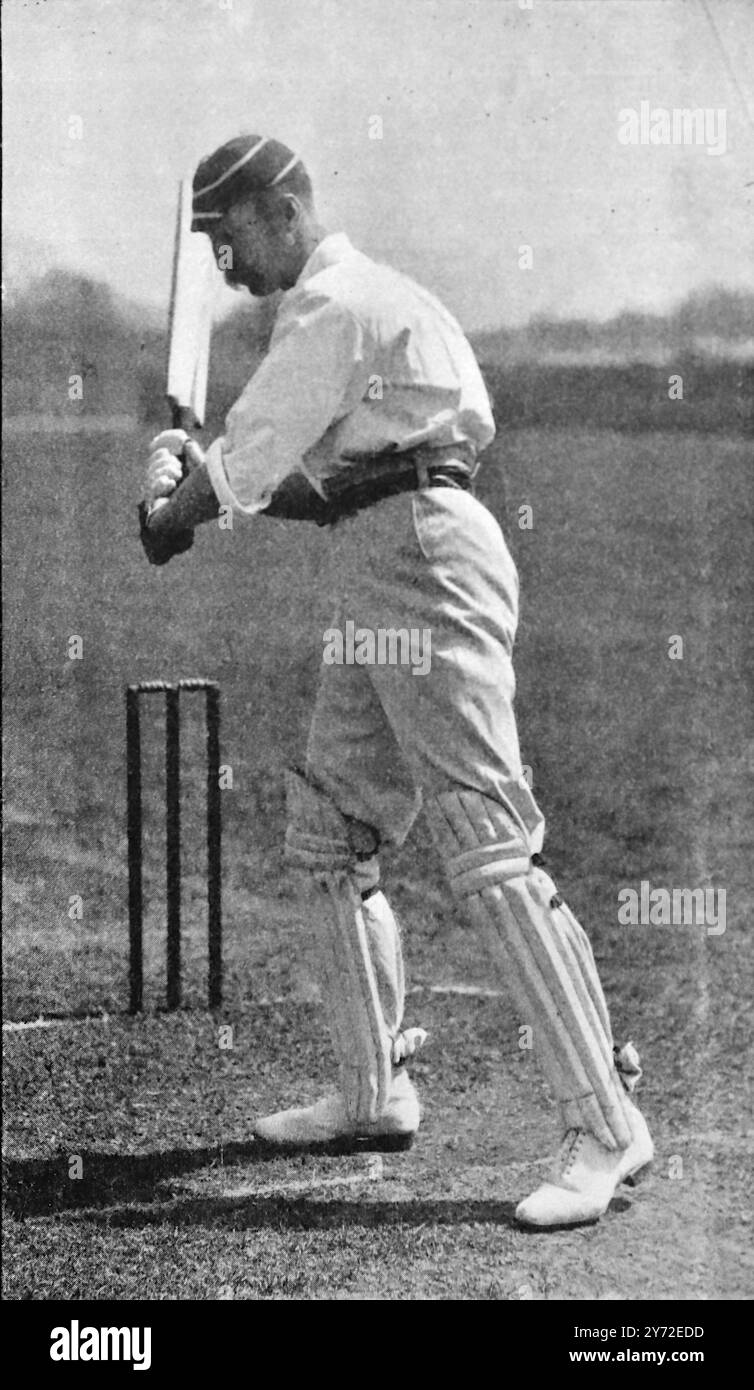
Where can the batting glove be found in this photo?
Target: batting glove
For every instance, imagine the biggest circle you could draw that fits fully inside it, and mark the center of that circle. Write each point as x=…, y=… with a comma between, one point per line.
x=160, y=545
x=172, y=455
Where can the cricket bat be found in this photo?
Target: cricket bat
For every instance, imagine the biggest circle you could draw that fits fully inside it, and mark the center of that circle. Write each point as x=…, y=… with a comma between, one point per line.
x=190, y=318
x=192, y=295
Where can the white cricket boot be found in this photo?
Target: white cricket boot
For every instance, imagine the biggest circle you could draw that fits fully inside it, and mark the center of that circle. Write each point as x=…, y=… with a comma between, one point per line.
x=325, y=1125
x=586, y=1174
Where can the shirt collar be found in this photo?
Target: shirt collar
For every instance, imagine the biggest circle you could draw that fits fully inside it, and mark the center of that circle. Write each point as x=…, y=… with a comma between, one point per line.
x=332, y=249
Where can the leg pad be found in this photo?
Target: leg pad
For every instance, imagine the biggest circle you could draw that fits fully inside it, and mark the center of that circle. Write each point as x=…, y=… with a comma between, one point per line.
x=545, y=955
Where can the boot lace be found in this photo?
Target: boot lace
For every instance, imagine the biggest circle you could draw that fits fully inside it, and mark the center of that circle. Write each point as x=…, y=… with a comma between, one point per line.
x=569, y=1151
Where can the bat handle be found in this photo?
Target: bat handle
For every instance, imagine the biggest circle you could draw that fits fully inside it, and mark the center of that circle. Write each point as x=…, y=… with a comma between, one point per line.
x=183, y=419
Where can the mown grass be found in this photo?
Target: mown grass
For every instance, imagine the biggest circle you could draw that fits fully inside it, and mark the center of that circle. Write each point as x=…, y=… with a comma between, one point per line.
x=171, y=1200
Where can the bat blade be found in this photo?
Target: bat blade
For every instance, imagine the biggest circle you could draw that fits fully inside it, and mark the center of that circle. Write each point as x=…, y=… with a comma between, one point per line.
x=190, y=321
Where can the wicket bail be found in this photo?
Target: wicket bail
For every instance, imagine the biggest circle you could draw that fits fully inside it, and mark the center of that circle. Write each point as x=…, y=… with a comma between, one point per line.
x=173, y=838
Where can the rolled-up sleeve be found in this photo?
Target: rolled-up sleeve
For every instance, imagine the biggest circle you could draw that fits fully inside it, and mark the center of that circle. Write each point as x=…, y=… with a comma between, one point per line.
x=316, y=371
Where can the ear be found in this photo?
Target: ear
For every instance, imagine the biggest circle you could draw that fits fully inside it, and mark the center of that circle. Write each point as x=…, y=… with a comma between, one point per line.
x=292, y=211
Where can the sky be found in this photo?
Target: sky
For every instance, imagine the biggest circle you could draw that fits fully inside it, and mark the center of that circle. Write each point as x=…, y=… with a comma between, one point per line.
x=499, y=128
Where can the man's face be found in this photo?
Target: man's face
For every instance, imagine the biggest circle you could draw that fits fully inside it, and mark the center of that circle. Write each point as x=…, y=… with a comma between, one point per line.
x=248, y=249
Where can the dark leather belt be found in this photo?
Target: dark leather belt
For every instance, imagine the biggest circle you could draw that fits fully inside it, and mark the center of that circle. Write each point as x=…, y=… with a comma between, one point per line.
x=346, y=494
x=368, y=479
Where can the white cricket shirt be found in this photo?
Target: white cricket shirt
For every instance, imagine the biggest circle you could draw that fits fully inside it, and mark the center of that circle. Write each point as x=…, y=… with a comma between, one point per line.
x=361, y=360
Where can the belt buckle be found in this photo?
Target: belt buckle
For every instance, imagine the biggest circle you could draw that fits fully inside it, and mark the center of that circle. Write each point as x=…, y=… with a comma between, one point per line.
x=421, y=468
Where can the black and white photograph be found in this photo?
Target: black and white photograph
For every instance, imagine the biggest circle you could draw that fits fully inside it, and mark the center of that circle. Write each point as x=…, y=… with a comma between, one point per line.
x=378, y=723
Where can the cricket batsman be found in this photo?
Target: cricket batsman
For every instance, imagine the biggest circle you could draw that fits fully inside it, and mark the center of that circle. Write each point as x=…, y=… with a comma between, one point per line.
x=368, y=415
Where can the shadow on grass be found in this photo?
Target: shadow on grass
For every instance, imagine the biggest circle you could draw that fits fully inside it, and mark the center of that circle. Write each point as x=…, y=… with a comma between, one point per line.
x=42, y=1187
x=132, y=1191
x=303, y=1213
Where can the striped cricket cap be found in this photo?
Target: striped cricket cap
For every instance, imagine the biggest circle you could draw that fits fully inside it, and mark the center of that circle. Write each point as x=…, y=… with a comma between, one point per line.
x=247, y=164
